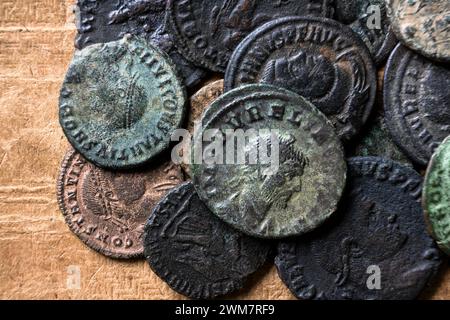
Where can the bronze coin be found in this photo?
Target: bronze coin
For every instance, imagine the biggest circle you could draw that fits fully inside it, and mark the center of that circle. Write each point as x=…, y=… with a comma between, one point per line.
x=108, y=210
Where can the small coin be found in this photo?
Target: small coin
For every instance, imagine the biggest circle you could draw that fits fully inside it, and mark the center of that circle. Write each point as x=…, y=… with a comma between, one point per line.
x=105, y=21
x=376, y=141
x=376, y=247
x=108, y=210
x=423, y=26
x=369, y=20
x=417, y=103
x=320, y=59
x=436, y=196
x=120, y=102
x=207, y=31
x=293, y=192
x=194, y=252
x=200, y=101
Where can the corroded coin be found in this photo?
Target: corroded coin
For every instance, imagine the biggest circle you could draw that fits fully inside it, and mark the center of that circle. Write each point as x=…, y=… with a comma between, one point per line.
x=200, y=101
x=103, y=21
x=194, y=252
x=369, y=20
x=207, y=31
x=293, y=192
x=108, y=210
x=320, y=59
x=436, y=196
x=377, y=246
x=422, y=25
x=120, y=102
x=417, y=103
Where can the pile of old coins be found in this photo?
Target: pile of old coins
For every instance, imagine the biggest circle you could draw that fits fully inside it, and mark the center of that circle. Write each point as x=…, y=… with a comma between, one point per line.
x=349, y=101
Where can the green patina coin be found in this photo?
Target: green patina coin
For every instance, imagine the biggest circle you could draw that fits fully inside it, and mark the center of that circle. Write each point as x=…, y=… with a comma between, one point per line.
x=436, y=196
x=262, y=199
x=120, y=102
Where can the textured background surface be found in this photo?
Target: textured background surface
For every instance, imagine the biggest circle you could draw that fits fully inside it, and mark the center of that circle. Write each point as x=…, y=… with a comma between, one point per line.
x=37, y=250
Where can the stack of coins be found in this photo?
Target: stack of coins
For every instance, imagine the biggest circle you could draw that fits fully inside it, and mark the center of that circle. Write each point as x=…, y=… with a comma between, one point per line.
x=206, y=134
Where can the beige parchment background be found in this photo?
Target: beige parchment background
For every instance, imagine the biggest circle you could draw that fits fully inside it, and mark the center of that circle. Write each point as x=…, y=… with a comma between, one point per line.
x=37, y=250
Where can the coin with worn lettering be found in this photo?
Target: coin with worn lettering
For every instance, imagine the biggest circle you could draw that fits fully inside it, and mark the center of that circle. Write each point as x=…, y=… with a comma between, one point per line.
x=198, y=255
x=207, y=31
x=320, y=59
x=423, y=26
x=268, y=162
x=436, y=196
x=376, y=247
x=108, y=210
x=417, y=103
x=200, y=101
x=105, y=20
x=120, y=103
x=368, y=19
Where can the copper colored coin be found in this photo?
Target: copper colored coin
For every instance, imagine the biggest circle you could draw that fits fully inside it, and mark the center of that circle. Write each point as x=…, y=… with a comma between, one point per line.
x=108, y=210
x=200, y=101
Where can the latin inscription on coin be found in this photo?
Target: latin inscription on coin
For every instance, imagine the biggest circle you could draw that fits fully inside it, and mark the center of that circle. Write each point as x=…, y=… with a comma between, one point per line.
x=120, y=102
x=436, y=196
x=417, y=103
x=376, y=247
x=260, y=199
x=108, y=210
x=320, y=59
x=422, y=25
x=198, y=255
x=100, y=21
x=207, y=31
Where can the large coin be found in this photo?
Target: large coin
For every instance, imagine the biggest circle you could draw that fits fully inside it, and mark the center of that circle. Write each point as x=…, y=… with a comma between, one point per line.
x=120, y=102
x=207, y=31
x=320, y=59
x=377, y=246
x=422, y=25
x=194, y=252
x=369, y=20
x=108, y=210
x=417, y=103
x=260, y=198
x=106, y=20
x=436, y=196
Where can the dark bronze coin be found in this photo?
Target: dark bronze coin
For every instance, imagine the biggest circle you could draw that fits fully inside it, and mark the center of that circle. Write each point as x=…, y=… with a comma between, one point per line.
x=423, y=26
x=377, y=246
x=108, y=210
x=368, y=19
x=194, y=252
x=104, y=21
x=286, y=196
x=320, y=59
x=417, y=103
x=120, y=102
x=207, y=31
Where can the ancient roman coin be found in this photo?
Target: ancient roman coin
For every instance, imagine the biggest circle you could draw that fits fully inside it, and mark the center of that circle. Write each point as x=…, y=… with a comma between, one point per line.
x=105, y=21
x=369, y=20
x=108, y=210
x=198, y=255
x=207, y=31
x=376, y=247
x=375, y=140
x=417, y=103
x=320, y=59
x=200, y=101
x=436, y=196
x=423, y=26
x=120, y=102
x=283, y=170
